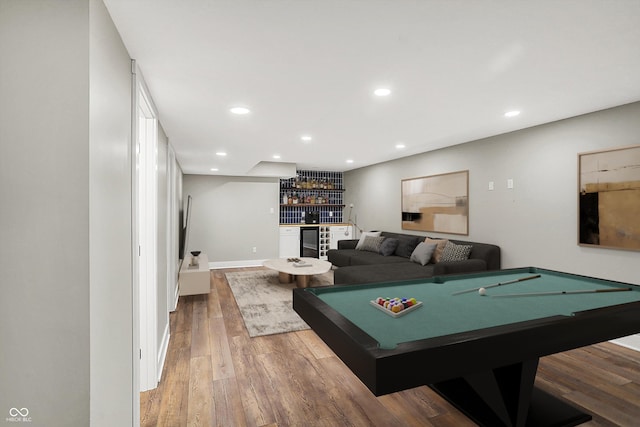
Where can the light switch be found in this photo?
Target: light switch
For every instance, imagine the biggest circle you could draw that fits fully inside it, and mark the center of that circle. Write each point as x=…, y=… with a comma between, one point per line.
x=510, y=183
x=490, y=185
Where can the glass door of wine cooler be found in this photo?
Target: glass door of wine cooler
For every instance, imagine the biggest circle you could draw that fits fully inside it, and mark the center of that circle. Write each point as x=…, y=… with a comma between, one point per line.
x=309, y=242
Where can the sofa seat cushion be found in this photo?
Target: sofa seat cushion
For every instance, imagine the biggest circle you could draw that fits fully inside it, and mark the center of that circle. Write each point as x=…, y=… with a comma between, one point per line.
x=382, y=273
x=347, y=257
x=372, y=258
x=340, y=257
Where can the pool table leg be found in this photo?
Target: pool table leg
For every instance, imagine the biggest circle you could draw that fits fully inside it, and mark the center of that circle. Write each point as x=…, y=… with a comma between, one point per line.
x=506, y=396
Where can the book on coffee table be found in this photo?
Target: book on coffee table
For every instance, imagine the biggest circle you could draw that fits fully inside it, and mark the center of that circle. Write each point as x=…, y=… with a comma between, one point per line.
x=301, y=264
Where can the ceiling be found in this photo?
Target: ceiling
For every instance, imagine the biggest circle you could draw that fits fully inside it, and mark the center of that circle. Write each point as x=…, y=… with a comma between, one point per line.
x=309, y=67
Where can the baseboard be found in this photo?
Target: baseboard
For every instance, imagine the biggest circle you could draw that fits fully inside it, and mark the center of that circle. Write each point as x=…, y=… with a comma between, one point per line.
x=162, y=352
x=176, y=295
x=632, y=342
x=235, y=264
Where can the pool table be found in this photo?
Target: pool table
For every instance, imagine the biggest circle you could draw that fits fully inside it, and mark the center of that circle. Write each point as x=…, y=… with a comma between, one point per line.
x=480, y=352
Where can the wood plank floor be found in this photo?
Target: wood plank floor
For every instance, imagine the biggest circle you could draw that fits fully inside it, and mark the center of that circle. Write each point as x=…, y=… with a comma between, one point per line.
x=215, y=375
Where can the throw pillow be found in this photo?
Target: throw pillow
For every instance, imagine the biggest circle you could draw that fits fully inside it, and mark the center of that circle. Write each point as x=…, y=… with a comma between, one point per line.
x=365, y=234
x=371, y=244
x=406, y=245
x=422, y=253
x=453, y=252
x=388, y=246
x=437, y=254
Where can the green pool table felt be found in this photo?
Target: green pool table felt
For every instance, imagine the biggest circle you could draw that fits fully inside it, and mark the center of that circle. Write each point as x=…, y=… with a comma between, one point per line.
x=445, y=314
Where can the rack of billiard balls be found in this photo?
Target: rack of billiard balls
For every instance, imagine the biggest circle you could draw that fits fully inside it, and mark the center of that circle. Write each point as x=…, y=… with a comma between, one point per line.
x=396, y=306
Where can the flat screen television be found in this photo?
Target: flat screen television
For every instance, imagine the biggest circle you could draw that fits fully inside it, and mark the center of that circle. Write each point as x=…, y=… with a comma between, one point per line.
x=185, y=224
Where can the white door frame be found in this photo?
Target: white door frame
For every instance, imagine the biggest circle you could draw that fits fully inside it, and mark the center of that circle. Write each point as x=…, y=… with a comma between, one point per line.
x=145, y=234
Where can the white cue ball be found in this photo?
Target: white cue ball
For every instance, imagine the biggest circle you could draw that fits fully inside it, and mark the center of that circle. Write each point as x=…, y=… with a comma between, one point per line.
x=482, y=291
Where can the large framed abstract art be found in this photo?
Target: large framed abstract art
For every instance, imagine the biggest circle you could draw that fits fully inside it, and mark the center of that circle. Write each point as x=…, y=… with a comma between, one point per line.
x=438, y=203
x=609, y=198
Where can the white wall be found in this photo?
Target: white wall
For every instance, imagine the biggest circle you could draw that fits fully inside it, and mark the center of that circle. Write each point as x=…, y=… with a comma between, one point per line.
x=44, y=212
x=65, y=326
x=112, y=396
x=535, y=223
x=231, y=216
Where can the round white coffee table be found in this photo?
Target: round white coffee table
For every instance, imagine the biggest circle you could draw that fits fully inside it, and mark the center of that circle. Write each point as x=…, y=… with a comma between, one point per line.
x=302, y=275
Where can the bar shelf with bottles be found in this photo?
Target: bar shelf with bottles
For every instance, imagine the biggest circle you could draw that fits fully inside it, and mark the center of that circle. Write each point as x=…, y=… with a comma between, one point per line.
x=319, y=191
x=309, y=198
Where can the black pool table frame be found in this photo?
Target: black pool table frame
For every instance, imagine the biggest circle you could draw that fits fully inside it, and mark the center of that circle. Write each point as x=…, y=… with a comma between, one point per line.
x=488, y=374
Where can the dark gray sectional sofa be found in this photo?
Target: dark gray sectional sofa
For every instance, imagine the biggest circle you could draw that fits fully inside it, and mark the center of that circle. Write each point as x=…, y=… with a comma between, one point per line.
x=362, y=266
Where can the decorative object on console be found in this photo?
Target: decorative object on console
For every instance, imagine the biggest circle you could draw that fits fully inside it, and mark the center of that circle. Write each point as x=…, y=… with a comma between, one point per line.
x=438, y=203
x=194, y=258
x=609, y=198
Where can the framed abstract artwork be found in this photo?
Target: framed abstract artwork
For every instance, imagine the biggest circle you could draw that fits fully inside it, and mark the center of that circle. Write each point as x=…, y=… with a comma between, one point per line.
x=609, y=198
x=438, y=203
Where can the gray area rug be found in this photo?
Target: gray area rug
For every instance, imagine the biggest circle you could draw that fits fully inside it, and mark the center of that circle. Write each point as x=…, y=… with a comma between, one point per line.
x=266, y=304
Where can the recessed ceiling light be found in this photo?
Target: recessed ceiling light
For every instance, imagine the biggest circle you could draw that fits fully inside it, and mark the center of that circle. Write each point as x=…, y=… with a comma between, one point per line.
x=349, y=161
x=240, y=110
x=214, y=169
x=305, y=138
x=400, y=145
x=221, y=153
x=382, y=91
x=276, y=156
x=512, y=113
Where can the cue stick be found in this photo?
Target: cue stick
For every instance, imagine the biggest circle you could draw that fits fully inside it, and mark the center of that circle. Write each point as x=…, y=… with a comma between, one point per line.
x=497, y=284
x=585, y=291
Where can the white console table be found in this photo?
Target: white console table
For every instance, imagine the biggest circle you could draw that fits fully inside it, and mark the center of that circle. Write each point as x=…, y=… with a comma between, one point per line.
x=194, y=279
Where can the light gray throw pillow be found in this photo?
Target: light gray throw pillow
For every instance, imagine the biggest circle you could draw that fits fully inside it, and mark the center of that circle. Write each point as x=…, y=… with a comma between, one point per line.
x=371, y=244
x=422, y=253
x=366, y=234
